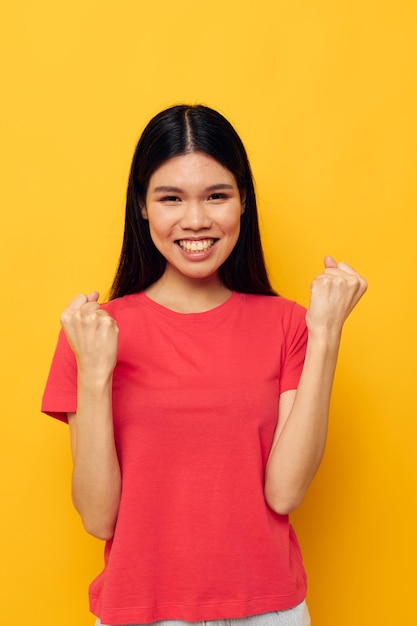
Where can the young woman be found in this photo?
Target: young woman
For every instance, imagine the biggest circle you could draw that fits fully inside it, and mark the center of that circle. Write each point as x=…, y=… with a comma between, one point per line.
x=197, y=398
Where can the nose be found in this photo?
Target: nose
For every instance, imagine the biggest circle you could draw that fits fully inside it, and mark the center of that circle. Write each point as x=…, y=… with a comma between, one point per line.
x=195, y=216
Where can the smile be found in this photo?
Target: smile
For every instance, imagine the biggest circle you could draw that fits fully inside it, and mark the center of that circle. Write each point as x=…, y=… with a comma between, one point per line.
x=195, y=246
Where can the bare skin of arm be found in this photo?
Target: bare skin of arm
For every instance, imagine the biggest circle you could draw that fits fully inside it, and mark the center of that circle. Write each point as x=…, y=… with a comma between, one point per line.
x=300, y=437
x=96, y=480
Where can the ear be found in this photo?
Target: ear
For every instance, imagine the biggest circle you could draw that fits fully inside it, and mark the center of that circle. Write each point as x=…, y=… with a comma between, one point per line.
x=243, y=201
x=143, y=210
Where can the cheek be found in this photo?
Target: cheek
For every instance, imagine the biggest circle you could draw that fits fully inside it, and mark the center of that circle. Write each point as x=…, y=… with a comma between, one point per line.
x=157, y=223
x=157, y=235
x=233, y=223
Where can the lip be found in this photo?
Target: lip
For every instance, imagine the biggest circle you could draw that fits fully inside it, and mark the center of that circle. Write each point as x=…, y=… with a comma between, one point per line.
x=197, y=248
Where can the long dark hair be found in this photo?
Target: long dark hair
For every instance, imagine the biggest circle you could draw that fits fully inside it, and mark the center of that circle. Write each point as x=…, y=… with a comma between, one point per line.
x=180, y=130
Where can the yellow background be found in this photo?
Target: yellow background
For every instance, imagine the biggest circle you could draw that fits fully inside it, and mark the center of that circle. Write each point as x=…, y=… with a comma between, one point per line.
x=323, y=94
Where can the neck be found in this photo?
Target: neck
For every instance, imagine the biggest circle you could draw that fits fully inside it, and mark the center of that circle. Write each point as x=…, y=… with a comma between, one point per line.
x=188, y=295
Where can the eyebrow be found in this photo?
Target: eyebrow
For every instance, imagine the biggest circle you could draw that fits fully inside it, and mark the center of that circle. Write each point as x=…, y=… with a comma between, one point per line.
x=169, y=188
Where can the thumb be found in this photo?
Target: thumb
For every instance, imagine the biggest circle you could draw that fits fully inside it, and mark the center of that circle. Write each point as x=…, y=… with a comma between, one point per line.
x=93, y=296
x=346, y=268
x=329, y=262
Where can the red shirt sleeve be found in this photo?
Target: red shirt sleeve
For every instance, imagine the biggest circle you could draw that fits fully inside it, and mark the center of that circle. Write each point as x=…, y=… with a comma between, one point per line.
x=60, y=395
x=295, y=348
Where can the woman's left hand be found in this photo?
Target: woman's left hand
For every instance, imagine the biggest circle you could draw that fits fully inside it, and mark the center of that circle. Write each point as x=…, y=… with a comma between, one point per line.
x=300, y=436
x=334, y=294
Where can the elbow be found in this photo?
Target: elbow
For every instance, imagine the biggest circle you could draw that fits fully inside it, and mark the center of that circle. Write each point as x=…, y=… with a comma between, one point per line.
x=283, y=503
x=100, y=526
x=98, y=519
x=100, y=533
x=98, y=529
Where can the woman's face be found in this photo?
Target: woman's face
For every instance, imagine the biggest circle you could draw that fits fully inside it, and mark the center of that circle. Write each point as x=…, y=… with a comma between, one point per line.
x=194, y=207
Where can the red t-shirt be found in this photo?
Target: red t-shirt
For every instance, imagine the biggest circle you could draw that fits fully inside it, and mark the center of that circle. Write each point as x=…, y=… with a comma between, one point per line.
x=195, y=400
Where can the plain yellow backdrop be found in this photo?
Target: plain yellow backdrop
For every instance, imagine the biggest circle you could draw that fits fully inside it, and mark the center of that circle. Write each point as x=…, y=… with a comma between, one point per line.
x=324, y=96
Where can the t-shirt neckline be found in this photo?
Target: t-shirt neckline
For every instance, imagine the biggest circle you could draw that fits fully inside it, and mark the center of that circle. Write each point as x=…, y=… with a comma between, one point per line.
x=220, y=309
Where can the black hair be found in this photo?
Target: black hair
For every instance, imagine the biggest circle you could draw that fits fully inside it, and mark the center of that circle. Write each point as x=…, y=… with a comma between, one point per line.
x=175, y=131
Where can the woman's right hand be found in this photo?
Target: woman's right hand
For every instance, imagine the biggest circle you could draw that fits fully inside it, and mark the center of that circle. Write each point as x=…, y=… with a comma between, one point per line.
x=92, y=334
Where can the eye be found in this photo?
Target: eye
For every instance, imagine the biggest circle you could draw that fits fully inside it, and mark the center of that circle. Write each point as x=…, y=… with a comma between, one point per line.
x=170, y=199
x=217, y=196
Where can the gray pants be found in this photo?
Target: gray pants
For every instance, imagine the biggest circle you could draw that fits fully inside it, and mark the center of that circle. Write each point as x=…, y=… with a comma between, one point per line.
x=298, y=616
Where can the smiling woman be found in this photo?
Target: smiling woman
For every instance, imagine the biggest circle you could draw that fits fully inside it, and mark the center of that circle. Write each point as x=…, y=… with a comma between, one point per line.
x=177, y=132
x=196, y=229
x=197, y=399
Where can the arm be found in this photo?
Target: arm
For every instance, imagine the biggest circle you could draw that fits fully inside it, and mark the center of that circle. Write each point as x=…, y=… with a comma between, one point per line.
x=300, y=436
x=96, y=480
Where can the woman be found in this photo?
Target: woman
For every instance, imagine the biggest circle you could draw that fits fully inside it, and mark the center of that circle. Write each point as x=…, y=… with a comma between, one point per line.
x=197, y=399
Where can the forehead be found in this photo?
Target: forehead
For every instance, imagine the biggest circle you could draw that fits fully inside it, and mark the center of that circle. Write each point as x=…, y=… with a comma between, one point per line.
x=191, y=169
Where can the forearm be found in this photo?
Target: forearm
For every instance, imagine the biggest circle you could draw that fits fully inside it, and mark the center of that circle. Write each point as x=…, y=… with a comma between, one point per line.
x=96, y=480
x=300, y=436
x=297, y=452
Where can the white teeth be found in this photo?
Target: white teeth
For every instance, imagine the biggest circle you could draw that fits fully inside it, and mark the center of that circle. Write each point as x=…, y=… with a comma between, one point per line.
x=195, y=246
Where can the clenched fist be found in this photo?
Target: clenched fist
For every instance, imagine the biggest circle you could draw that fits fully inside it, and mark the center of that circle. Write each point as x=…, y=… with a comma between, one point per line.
x=92, y=334
x=334, y=294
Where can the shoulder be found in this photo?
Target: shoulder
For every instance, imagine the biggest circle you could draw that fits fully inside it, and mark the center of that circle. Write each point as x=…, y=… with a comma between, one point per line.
x=275, y=319
x=276, y=307
x=124, y=306
x=274, y=316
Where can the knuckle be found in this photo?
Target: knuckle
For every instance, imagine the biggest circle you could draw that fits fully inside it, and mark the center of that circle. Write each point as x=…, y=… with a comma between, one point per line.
x=77, y=316
x=65, y=316
x=103, y=316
